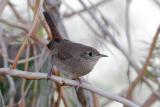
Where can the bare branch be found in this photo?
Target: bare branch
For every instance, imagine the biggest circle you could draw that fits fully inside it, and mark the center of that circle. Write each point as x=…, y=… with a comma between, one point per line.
x=113, y=39
x=23, y=60
x=144, y=69
x=68, y=15
x=85, y=21
x=17, y=14
x=95, y=100
x=16, y=25
x=1, y=100
x=3, y=4
x=157, y=3
x=127, y=25
x=37, y=76
x=151, y=99
x=31, y=31
x=12, y=89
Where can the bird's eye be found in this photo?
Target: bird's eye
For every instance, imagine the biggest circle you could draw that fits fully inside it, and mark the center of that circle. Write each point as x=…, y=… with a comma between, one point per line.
x=90, y=53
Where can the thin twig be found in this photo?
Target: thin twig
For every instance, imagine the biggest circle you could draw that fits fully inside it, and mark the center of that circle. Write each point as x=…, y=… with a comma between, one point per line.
x=25, y=28
x=101, y=27
x=106, y=21
x=85, y=20
x=127, y=25
x=17, y=14
x=151, y=99
x=121, y=93
x=35, y=87
x=144, y=69
x=31, y=31
x=95, y=100
x=27, y=57
x=58, y=87
x=152, y=89
x=81, y=96
x=1, y=100
x=127, y=31
x=64, y=98
x=16, y=25
x=12, y=89
x=115, y=42
x=60, y=91
x=157, y=3
x=23, y=60
x=46, y=27
x=19, y=53
x=3, y=4
x=21, y=102
x=68, y=15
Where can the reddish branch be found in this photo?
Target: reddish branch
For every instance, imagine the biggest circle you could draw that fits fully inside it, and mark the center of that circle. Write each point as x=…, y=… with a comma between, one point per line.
x=151, y=99
x=144, y=69
x=31, y=31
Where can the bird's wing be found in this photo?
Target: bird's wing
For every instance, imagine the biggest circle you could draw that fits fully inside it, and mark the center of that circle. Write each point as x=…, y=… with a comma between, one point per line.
x=64, y=55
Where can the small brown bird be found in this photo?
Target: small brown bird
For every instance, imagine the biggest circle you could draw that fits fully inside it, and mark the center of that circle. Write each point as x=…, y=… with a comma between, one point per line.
x=73, y=59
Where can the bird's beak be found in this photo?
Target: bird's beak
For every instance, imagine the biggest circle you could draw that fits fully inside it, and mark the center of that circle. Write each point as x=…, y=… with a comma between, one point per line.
x=102, y=55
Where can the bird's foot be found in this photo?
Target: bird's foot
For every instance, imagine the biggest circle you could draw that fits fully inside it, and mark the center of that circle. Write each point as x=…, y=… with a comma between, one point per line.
x=80, y=82
x=49, y=74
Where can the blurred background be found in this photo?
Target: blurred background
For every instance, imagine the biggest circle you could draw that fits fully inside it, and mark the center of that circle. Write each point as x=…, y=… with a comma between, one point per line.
x=125, y=30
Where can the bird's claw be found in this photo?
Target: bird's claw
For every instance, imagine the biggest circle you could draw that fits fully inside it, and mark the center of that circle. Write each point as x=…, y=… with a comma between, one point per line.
x=49, y=75
x=80, y=82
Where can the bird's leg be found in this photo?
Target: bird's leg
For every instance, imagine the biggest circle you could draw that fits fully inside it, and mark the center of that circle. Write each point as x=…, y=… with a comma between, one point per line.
x=51, y=70
x=80, y=82
x=49, y=74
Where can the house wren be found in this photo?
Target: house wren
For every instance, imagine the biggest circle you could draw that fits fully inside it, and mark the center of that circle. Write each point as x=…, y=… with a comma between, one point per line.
x=73, y=59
